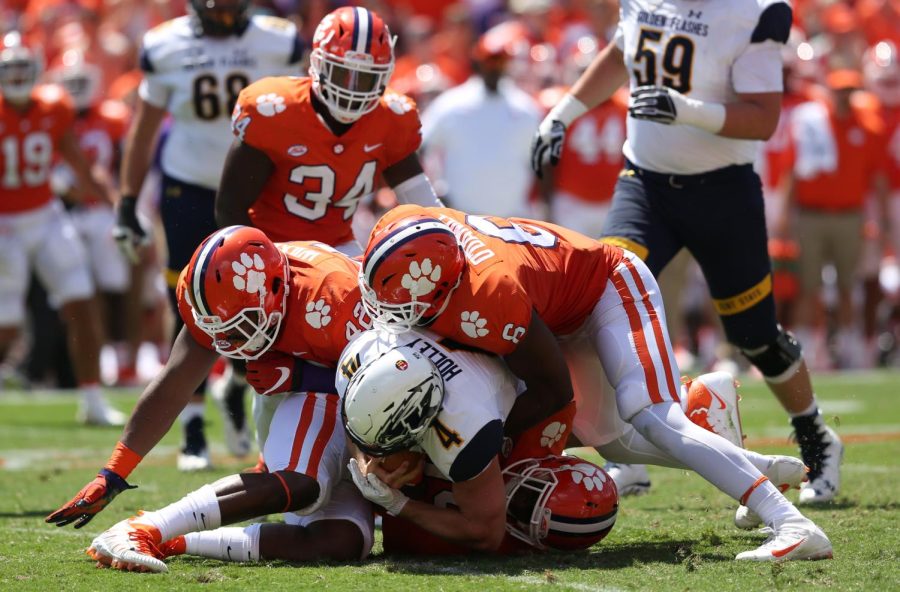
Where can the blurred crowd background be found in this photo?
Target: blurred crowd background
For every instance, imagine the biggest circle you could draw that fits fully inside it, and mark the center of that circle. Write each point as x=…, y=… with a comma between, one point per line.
x=483, y=73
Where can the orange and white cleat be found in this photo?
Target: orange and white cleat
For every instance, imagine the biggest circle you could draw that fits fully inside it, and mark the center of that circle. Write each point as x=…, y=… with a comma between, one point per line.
x=711, y=402
x=784, y=472
x=129, y=545
x=791, y=541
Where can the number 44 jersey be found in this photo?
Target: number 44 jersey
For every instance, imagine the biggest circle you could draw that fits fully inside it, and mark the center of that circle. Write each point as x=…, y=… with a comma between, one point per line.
x=197, y=80
x=706, y=50
x=319, y=177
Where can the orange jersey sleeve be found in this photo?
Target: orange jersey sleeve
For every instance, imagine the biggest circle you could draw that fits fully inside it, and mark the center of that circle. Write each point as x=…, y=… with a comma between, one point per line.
x=318, y=177
x=28, y=145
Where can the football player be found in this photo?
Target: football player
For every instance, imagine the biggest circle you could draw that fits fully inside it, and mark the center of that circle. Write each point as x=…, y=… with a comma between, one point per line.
x=307, y=150
x=194, y=68
x=706, y=86
x=242, y=296
x=513, y=286
x=36, y=234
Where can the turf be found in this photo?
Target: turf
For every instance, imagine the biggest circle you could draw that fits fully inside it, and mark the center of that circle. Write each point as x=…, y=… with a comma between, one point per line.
x=679, y=537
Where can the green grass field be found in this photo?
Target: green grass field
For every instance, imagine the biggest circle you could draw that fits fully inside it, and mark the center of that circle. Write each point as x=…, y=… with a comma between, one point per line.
x=679, y=537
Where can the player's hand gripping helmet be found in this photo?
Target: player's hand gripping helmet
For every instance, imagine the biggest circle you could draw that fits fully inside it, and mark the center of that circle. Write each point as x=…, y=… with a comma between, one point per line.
x=881, y=68
x=410, y=268
x=390, y=394
x=237, y=284
x=81, y=79
x=219, y=18
x=351, y=62
x=560, y=502
x=20, y=68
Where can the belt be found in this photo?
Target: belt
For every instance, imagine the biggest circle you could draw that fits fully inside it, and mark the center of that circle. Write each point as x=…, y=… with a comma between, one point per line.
x=717, y=176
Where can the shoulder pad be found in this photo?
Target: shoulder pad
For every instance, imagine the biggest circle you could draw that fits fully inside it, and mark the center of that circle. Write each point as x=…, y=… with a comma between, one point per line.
x=774, y=22
x=398, y=103
x=157, y=40
x=274, y=23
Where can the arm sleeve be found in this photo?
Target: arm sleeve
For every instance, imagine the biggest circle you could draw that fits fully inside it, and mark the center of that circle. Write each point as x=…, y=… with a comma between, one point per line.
x=478, y=453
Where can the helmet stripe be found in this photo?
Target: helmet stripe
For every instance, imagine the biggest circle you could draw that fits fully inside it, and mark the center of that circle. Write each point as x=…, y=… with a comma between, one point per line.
x=362, y=29
x=597, y=526
x=397, y=239
x=198, y=283
x=369, y=27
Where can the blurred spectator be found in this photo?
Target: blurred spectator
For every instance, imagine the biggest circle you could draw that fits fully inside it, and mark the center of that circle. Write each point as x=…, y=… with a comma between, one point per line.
x=478, y=134
x=837, y=151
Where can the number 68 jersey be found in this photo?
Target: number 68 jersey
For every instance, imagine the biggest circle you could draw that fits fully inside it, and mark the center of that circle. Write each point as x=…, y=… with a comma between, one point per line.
x=707, y=50
x=197, y=79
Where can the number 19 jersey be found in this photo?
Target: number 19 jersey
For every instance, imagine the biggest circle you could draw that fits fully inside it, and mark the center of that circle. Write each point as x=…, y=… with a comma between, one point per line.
x=197, y=80
x=707, y=50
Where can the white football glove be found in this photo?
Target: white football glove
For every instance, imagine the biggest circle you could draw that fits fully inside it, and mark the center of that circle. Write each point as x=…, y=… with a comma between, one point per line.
x=128, y=232
x=666, y=105
x=377, y=491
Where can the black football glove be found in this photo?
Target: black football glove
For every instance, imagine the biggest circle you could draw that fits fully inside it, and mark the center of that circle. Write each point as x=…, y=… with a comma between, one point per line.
x=654, y=103
x=546, y=147
x=128, y=232
x=92, y=498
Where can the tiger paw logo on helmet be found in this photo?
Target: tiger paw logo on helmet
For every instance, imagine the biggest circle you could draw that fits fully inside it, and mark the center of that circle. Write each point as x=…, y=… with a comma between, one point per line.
x=588, y=476
x=317, y=313
x=270, y=105
x=421, y=279
x=552, y=433
x=249, y=274
x=473, y=324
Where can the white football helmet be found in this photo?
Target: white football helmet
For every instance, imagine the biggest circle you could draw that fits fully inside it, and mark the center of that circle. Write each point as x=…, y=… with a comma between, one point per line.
x=20, y=68
x=391, y=395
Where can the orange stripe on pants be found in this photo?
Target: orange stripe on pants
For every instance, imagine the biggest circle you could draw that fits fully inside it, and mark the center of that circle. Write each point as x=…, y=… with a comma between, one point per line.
x=306, y=416
x=637, y=331
x=324, y=435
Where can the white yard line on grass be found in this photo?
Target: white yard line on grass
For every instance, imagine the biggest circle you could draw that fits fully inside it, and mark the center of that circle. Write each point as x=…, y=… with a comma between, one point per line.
x=557, y=583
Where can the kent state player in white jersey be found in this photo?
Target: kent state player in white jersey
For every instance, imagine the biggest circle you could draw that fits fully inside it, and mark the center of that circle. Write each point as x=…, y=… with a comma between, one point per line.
x=194, y=69
x=706, y=82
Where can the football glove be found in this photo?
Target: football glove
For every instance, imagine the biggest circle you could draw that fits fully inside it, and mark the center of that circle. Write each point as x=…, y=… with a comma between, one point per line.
x=546, y=147
x=666, y=105
x=275, y=373
x=92, y=498
x=377, y=491
x=128, y=232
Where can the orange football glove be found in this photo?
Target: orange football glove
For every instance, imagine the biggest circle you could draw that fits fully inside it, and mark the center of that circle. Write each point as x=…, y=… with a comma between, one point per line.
x=92, y=498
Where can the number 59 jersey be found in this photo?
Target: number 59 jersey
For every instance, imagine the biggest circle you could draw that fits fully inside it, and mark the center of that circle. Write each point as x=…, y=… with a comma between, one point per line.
x=319, y=177
x=198, y=79
x=707, y=50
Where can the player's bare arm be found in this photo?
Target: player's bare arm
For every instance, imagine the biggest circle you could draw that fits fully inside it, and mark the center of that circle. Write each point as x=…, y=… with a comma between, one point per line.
x=410, y=183
x=539, y=362
x=754, y=116
x=71, y=152
x=245, y=174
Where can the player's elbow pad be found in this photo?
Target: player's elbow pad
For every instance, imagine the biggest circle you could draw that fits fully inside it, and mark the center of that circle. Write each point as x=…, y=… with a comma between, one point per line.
x=417, y=190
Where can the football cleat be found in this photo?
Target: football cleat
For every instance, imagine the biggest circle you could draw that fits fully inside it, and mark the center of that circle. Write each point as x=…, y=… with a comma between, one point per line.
x=791, y=541
x=97, y=411
x=229, y=399
x=130, y=546
x=825, y=479
x=711, y=401
x=198, y=460
x=194, y=456
x=784, y=472
x=629, y=479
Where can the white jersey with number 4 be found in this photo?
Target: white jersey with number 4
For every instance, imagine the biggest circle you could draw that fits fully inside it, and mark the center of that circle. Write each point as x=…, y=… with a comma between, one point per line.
x=706, y=49
x=479, y=392
x=197, y=80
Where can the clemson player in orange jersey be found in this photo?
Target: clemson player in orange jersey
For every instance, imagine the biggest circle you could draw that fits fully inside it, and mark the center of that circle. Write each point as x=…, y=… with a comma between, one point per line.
x=307, y=150
x=35, y=127
x=512, y=287
x=243, y=297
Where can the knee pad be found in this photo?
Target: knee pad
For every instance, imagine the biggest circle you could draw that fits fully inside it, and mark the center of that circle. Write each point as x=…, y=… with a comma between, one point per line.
x=779, y=360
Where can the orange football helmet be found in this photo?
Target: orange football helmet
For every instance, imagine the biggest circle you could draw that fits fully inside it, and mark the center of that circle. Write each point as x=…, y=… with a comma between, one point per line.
x=20, y=68
x=351, y=62
x=80, y=78
x=237, y=286
x=409, y=269
x=559, y=502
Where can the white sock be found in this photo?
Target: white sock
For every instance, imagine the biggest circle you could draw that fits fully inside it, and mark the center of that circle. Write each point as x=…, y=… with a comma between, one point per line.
x=91, y=393
x=190, y=411
x=198, y=510
x=232, y=543
x=771, y=505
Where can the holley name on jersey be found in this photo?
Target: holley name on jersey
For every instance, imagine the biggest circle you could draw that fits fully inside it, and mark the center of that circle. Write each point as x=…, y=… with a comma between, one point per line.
x=446, y=366
x=675, y=23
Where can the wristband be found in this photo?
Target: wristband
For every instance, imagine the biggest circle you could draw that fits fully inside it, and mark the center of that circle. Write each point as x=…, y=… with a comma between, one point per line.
x=706, y=116
x=123, y=460
x=567, y=110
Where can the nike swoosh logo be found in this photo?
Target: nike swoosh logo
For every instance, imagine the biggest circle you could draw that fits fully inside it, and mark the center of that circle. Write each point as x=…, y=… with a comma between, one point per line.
x=285, y=372
x=368, y=148
x=228, y=552
x=786, y=550
x=717, y=398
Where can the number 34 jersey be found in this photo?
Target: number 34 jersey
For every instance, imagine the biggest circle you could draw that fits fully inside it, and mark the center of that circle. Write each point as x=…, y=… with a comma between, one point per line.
x=198, y=79
x=709, y=50
x=319, y=177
